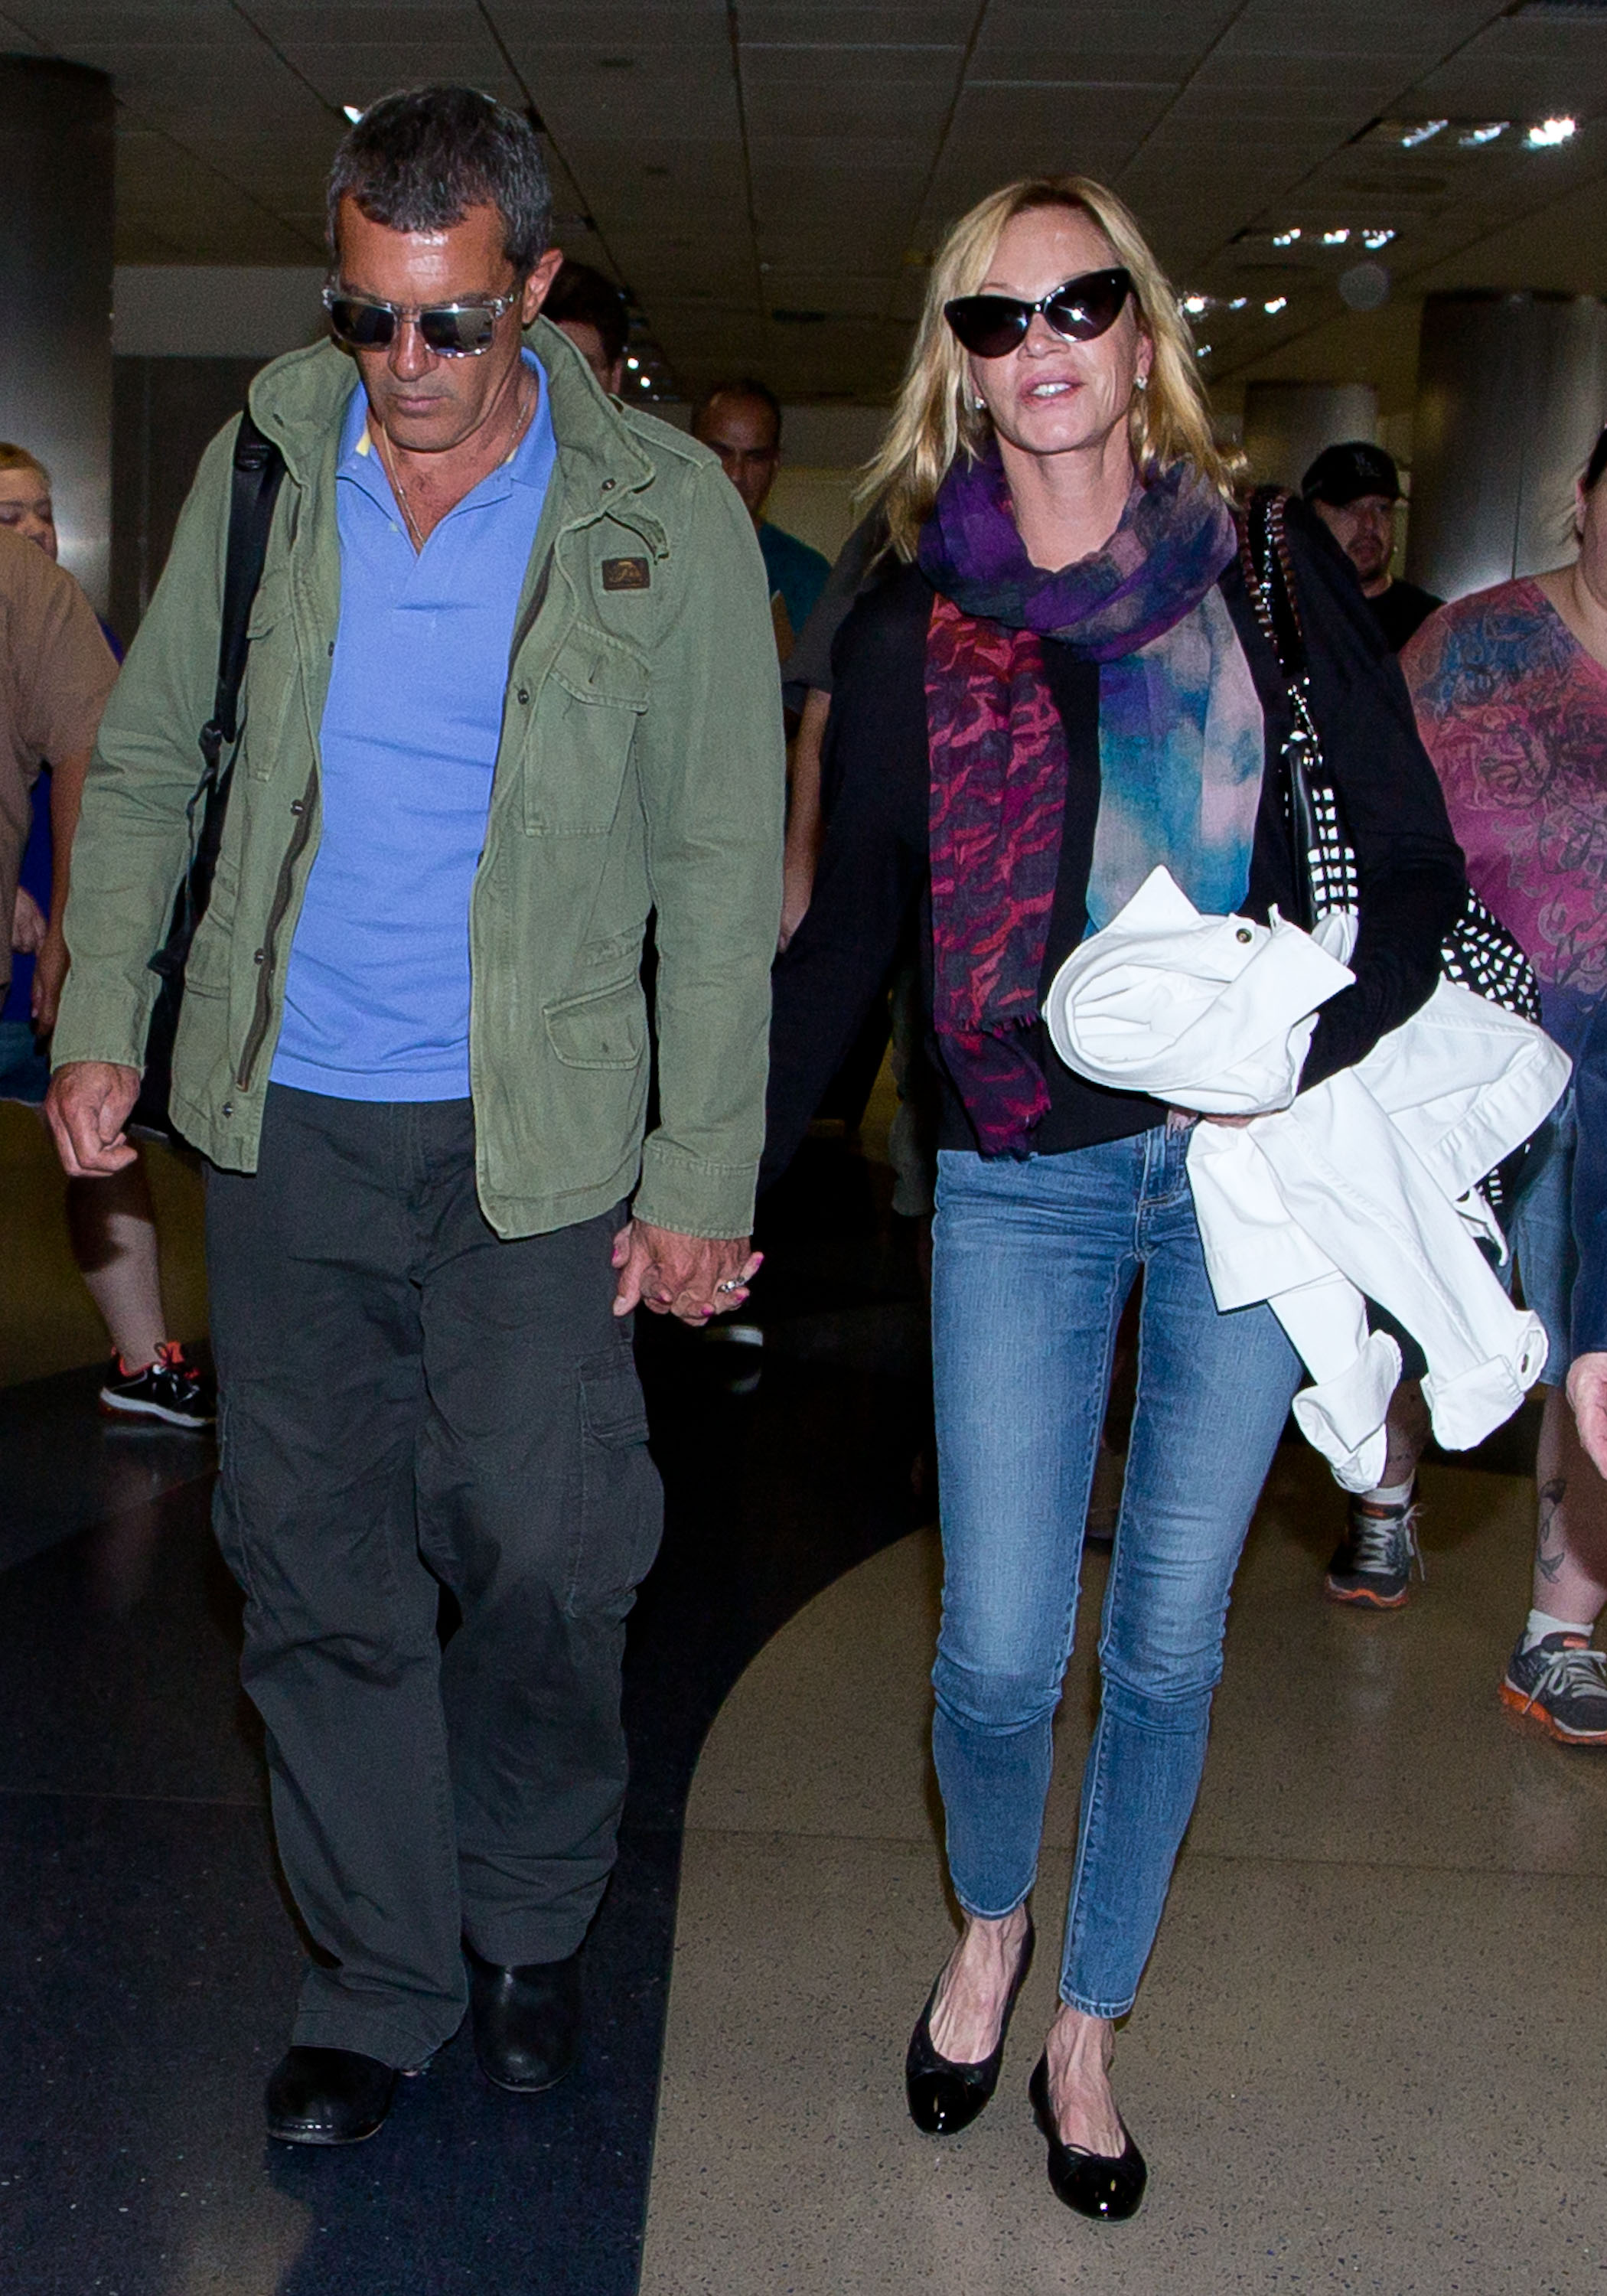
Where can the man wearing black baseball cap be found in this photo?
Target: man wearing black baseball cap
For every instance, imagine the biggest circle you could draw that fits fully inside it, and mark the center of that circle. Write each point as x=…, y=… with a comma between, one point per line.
x=1353, y=489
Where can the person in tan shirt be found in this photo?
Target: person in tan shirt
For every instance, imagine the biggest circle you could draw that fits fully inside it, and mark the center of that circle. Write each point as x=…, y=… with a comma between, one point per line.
x=56, y=671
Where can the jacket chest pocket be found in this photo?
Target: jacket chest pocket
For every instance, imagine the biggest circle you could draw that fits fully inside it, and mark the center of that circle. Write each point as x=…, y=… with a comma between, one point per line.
x=577, y=748
x=271, y=671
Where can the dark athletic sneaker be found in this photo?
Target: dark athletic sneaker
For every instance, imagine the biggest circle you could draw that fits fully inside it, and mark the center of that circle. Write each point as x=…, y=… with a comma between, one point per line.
x=1373, y=1563
x=170, y=1389
x=1560, y=1682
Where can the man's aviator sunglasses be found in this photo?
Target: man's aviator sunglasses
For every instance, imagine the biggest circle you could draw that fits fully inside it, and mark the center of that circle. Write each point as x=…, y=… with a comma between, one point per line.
x=1081, y=310
x=452, y=330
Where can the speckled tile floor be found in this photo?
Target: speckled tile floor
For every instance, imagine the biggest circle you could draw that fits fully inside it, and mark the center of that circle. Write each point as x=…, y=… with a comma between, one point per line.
x=1368, y=2052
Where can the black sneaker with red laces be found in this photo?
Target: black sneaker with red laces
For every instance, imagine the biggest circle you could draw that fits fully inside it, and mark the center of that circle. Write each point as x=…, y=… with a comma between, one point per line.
x=170, y=1388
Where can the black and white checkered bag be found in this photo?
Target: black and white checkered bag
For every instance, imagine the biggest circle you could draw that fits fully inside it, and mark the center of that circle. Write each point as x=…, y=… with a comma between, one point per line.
x=1479, y=951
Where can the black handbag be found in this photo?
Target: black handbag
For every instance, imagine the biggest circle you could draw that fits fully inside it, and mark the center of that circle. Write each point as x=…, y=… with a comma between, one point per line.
x=257, y=470
x=1479, y=951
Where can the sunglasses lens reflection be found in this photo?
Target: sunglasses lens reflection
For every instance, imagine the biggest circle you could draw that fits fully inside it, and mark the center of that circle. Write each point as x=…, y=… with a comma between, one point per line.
x=1087, y=309
x=457, y=334
x=366, y=326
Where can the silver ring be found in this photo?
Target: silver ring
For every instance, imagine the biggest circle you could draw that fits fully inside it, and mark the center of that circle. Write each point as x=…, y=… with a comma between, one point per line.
x=735, y=1285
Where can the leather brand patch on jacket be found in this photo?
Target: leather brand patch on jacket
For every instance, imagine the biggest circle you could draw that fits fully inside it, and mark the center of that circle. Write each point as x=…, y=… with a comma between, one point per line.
x=627, y=574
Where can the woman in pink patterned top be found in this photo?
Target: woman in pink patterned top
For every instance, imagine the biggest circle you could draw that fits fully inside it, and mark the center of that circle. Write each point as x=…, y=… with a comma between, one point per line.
x=1510, y=688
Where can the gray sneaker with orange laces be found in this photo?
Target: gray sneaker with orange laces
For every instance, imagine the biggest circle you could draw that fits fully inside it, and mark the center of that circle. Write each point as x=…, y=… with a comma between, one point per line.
x=1560, y=1682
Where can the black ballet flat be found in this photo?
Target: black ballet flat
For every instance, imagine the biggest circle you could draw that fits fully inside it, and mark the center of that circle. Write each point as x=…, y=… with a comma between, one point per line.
x=944, y=2097
x=1095, y=2183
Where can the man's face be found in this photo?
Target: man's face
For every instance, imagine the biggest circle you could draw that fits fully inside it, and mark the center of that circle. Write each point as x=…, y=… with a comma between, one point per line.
x=428, y=403
x=25, y=506
x=1364, y=531
x=742, y=431
x=588, y=342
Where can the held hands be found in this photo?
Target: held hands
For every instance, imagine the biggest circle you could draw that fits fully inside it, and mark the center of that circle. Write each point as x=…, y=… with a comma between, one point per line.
x=88, y=1105
x=1587, y=1393
x=695, y=1277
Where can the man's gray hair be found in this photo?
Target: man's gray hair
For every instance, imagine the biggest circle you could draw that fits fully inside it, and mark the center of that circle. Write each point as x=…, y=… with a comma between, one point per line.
x=420, y=159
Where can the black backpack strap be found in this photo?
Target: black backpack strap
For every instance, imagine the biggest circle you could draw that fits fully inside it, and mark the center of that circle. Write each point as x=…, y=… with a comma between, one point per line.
x=254, y=489
x=258, y=468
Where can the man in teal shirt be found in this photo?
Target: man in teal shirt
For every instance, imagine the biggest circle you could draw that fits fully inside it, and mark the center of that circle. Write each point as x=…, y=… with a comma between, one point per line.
x=741, y=422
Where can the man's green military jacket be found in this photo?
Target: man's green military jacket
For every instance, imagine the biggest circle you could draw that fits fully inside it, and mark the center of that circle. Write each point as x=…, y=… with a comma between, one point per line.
x=640, y=767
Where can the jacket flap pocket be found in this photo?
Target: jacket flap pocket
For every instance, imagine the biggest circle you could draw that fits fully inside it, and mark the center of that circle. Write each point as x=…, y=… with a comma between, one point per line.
x=605, y=1028
x=270, y=605
x=593, y=666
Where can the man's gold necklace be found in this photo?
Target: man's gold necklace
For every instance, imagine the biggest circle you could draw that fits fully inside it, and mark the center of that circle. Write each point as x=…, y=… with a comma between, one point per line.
x=400, y=491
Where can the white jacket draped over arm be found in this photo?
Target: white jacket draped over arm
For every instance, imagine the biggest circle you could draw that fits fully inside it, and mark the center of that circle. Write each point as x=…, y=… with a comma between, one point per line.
x=1358, y=1189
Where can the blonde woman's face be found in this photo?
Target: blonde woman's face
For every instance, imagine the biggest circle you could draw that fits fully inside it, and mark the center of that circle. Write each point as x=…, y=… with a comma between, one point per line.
x=25, y=506
x=1049, y=396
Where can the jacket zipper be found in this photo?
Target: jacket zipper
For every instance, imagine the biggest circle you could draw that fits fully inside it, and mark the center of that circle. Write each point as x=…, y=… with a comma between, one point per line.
x=264, y=1011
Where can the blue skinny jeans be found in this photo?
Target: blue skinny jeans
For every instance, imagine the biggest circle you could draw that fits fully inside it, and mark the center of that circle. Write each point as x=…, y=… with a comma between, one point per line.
x=1032, y=1263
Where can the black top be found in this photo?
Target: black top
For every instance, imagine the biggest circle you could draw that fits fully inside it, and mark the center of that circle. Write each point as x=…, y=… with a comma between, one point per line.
x=1401, y=611
x=874, y=863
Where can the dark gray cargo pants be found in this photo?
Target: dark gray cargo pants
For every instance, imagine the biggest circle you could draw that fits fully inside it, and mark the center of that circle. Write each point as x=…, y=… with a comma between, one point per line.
x=405, y=1399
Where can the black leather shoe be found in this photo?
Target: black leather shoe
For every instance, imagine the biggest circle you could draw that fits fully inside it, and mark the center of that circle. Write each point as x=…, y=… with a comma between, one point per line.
x=328, y=2096
x=944, y=2097
x=1096, y=2184
x=527, y=2021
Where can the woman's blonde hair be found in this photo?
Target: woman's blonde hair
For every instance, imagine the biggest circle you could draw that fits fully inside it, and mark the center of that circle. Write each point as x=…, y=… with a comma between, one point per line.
x=934, y=418
x=18, y=458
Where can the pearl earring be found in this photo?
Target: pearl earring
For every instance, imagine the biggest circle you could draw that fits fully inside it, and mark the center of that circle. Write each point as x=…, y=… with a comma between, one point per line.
x=1142, y=382
x=978, y=405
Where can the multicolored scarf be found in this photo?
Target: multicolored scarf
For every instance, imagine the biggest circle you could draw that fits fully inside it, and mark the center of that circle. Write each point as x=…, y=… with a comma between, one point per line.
x=1181, y=748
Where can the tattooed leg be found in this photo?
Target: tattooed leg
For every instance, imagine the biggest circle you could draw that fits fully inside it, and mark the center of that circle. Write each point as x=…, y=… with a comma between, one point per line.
x=1571, y=1532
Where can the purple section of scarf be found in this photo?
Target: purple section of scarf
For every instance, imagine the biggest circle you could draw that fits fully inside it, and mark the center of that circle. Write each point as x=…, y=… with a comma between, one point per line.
x=998, y=753
x=998, y=793
x=1175, y=539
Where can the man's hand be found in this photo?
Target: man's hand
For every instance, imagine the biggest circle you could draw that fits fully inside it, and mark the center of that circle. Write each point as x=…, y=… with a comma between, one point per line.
x=29, y=926
x=88, y=1105
x=50, y=973
x=1587, y=1393
x=692, y=1276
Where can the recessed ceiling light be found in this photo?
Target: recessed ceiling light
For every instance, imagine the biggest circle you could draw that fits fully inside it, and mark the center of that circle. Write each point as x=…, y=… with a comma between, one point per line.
x=644, y=382
x=1196, y=305
x=354, y=113
x=1422, y=131
x=1202, y=350
x=1379, y=236
x=1481, y=132
x=1285, y=238
x=1239, y=303
x=1547, y=133
x=1278, y=303
x=632, y=365
x=1336, y=238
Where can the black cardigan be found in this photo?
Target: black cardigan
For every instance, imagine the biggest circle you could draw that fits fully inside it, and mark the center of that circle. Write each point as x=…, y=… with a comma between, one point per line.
x=874, y=869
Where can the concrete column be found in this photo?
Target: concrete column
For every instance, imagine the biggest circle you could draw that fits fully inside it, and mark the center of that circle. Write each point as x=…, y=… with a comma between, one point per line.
x=1287, y=424
x=55, y=294
x=1511, y=390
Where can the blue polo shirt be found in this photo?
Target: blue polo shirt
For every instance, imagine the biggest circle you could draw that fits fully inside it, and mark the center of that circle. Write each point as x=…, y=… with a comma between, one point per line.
x=376, y=996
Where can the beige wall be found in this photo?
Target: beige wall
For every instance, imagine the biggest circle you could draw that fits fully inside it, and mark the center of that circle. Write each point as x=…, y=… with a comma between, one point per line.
x=815, y=504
